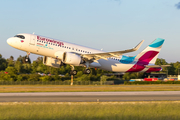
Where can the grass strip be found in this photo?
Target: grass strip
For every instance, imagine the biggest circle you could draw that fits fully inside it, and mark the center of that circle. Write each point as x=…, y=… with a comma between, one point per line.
x=162, y=110
x=86, y=88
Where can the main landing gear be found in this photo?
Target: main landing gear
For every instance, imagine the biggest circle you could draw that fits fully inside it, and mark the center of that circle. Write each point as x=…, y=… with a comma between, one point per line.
x=73, y=72
x=87, y=71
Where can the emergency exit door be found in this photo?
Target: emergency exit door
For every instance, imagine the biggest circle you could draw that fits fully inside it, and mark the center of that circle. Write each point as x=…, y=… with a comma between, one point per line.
x=32, y=40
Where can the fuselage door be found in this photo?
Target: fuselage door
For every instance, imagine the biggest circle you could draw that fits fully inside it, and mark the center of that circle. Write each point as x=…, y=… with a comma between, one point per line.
x=32, y=40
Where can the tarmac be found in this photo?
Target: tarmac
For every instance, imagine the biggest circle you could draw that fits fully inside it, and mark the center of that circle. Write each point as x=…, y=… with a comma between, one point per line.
x=90, y=96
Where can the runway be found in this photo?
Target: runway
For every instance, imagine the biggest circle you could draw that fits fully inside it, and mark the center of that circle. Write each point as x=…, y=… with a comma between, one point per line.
x=90, y=96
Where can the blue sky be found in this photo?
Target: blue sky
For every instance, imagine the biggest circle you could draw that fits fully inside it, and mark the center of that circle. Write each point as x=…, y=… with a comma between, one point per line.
x=109, y=24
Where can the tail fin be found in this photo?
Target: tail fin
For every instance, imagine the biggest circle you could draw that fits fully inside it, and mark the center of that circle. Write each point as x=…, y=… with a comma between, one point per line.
x=150, y=53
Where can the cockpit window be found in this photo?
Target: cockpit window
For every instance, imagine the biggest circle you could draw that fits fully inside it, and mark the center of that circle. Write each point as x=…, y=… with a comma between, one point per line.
x=20, y=36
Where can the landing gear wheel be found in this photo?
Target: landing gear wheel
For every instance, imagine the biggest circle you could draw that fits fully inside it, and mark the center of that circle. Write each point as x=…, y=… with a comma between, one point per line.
x=87, y=71
x=73, y=72
x=27, y=60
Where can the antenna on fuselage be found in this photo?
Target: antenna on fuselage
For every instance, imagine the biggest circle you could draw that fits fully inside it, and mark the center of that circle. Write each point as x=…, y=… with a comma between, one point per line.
x=33, y=33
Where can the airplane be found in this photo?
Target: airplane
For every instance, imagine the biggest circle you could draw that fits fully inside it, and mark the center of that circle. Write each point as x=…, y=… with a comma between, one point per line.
x=57, y=53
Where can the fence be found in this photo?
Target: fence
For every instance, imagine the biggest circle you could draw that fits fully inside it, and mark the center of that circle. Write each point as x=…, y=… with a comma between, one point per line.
x=59, y=82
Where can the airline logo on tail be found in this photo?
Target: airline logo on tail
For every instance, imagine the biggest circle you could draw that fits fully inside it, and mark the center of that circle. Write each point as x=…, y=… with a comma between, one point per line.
x=148, y=56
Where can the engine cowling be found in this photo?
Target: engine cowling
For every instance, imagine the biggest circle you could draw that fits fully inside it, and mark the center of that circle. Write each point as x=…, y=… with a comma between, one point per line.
x=59, y=55
x=71, y=58
x=49, y=61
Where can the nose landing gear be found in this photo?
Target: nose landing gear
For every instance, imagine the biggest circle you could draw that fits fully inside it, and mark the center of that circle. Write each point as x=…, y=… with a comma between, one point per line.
x=27, y=57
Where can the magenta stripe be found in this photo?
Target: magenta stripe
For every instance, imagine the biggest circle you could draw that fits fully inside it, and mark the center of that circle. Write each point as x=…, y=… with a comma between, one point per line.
x=143, y=60
x=147, y=57
x=153, y=70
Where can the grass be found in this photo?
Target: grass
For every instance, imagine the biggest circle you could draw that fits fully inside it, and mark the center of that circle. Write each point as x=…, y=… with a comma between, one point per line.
x=91, y=111
x=87, y=88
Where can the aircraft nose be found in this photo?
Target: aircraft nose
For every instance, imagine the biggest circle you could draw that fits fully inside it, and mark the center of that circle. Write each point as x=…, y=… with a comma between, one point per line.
x=9, y=41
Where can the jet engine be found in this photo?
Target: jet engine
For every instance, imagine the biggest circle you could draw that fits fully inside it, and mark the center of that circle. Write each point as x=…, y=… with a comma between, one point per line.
x=71, y=58
x=49, y=61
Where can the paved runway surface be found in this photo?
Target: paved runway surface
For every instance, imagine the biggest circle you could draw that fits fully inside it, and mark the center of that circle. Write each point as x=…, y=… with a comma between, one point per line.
x=90, y=96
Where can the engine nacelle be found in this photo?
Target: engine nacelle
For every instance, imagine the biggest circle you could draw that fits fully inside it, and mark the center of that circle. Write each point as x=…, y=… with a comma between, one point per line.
x=49, y=61
x=71, y=58
x=59, y=55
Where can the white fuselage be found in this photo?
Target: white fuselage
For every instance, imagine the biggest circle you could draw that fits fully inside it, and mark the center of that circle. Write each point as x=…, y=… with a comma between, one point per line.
x=48, y=47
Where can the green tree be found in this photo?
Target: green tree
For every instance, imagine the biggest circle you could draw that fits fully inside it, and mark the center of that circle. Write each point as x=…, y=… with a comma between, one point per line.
x=26, y=68
x=160, y=61
x=11, y=70
x=18, y=66
x=3, y=63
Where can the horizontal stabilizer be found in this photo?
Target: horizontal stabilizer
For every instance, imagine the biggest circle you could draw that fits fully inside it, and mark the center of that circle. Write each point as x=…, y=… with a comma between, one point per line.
x=157, y=66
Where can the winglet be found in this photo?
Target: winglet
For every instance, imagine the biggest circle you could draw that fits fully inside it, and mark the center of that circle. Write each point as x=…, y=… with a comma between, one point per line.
x=138, y=46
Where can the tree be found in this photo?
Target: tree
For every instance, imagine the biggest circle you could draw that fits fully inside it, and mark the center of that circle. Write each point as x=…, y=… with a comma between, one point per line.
x=3, y=63
x=10, y=61
x=18, y=66
x=11, y=58
x=39, y=60
x=34, y=67
x=160, y=61
x=11, y=70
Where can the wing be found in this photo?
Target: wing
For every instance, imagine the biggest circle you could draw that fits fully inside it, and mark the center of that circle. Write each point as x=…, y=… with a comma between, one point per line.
x=157, y=66
x=106, y=55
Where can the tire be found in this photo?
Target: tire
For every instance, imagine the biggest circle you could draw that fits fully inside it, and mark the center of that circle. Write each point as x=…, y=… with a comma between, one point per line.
x=87, y=71
x=27, y=60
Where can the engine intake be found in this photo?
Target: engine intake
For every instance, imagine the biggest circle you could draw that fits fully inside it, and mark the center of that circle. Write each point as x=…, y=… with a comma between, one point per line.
x=71, y=58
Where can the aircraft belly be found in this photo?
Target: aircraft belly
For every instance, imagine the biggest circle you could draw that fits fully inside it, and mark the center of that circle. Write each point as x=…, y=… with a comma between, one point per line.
x=115, y=66
x=122, y=67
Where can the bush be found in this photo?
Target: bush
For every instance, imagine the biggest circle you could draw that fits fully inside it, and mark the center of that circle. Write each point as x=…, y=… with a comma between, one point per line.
x=84, y=77
x=46, y=78
x=104, y=78
x=34, y=77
